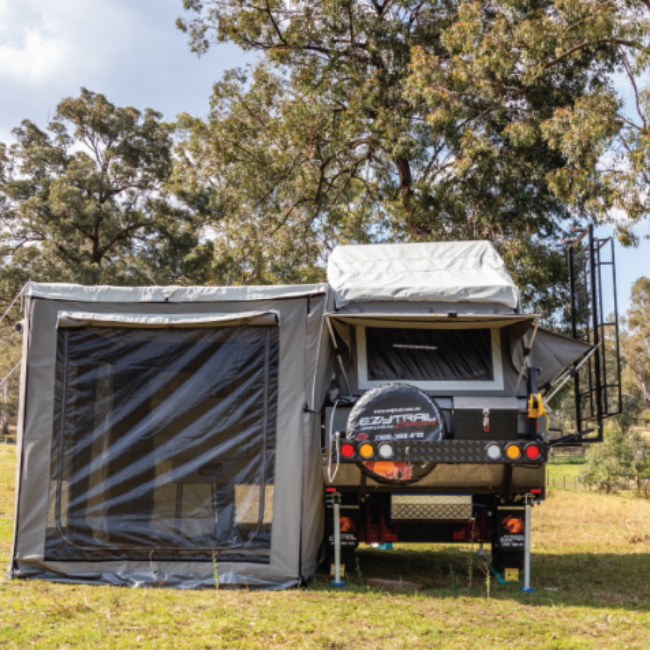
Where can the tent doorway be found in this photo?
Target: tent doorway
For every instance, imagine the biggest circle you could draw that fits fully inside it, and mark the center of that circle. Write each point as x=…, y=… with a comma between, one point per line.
x=164, y=443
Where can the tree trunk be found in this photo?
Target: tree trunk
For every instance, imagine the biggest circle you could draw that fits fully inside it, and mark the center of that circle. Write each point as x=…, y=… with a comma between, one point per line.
x=97, y=254
x=405, y=182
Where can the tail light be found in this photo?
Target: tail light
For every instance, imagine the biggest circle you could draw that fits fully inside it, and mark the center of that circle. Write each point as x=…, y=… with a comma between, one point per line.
x=347, y=450
x=532, y=452
x=385, y=451
x=493, y=451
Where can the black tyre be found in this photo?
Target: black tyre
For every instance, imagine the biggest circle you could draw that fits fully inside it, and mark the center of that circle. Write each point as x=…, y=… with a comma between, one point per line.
x=395, y=412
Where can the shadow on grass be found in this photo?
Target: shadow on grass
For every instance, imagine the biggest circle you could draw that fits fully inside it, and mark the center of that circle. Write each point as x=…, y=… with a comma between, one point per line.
x=605, y=580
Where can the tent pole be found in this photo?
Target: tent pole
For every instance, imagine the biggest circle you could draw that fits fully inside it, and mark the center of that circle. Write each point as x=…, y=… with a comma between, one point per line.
x=338, y=355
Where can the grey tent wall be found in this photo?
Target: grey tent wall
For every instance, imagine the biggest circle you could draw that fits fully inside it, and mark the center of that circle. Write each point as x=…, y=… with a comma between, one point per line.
x=298, y=487
x=551, y=352
x=313, y=512
x=22, y=401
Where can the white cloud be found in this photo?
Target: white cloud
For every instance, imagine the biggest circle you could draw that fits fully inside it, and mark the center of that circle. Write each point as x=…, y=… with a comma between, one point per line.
x=130, y=50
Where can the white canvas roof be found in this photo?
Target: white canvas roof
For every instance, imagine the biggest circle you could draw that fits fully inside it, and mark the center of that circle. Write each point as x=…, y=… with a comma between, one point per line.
x=469, y=271
x=104, y=293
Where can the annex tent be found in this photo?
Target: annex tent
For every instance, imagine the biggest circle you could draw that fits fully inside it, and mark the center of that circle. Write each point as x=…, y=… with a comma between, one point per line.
x=170, y=435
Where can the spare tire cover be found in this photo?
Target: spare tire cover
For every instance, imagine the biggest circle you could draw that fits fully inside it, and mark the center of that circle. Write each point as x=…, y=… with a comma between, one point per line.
x=396, y=412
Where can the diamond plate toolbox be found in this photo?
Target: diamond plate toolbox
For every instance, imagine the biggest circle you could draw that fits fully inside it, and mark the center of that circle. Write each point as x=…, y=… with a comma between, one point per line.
x=431, y=506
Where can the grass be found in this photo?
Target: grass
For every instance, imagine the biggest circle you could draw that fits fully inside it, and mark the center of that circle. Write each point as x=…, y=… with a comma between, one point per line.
x=590, y=570
x=557, y=473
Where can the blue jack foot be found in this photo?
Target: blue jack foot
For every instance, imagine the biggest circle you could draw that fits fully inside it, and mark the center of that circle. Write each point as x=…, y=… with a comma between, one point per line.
x=338, y=584
x=530, y=590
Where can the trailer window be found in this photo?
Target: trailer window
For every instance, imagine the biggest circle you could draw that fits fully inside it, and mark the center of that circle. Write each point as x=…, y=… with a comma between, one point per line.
x=461, y=359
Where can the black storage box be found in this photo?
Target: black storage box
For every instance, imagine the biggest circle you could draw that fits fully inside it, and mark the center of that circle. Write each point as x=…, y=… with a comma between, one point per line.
x=485, y=418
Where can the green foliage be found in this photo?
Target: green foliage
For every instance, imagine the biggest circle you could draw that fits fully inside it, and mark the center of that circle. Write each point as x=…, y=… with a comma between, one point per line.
x=610, y=465
x=635, y=346
x=10, y=351
x=365, y=121
x=86, y=201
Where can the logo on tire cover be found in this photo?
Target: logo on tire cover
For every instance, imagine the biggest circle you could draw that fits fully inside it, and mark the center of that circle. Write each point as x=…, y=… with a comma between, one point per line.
x=395, y=412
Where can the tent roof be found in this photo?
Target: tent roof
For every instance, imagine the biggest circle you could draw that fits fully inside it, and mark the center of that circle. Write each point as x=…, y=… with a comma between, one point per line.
x=103, y=293
x=439, y=271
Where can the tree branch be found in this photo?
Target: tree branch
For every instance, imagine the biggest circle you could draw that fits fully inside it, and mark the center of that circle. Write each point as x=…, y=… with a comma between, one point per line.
x=586, y=44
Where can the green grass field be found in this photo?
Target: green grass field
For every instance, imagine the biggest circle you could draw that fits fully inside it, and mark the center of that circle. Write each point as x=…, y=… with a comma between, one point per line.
x=562, y=474
x=590, y=570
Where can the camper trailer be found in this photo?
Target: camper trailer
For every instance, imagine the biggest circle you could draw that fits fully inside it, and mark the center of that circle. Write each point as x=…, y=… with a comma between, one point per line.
x=187, y=436
x=437, y=424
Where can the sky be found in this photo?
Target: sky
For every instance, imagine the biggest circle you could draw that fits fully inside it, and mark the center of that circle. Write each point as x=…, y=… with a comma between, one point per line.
x=131, y=51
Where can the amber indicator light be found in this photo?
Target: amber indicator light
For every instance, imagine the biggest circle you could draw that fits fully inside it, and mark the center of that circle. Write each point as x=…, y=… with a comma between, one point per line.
x=366, y=450
x=513, y=452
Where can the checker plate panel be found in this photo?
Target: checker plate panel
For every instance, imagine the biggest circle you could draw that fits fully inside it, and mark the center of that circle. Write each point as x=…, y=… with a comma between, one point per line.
x=430, y=506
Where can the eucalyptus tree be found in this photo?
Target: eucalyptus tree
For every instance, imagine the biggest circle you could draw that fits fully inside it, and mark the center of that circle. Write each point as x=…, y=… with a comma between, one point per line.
x=412, y=120
x=86, y=200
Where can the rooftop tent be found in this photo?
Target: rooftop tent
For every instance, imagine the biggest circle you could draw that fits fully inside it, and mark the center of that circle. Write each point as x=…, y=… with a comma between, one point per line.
x=444, y=286
x=164, y=428
x=437, y=272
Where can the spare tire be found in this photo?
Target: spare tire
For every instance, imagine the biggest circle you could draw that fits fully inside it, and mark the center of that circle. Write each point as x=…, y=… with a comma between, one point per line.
x=396, y=412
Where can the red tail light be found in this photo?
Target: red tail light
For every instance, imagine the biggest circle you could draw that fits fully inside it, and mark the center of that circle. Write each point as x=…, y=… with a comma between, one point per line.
x=533, y=452
x=347, y=450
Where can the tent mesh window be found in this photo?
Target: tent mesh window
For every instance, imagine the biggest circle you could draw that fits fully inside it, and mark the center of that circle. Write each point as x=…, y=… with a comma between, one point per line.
x=428, y=354
x=164, y=444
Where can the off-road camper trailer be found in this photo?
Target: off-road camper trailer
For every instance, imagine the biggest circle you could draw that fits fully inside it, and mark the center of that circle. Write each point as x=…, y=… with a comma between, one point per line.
x=186, y=436
x=436, y=428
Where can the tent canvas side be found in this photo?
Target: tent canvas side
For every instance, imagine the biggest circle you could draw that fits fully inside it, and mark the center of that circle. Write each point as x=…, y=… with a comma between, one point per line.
x=297, y=485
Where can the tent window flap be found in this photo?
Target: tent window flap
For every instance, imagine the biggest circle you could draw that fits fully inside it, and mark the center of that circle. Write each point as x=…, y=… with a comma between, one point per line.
x=164, y=443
